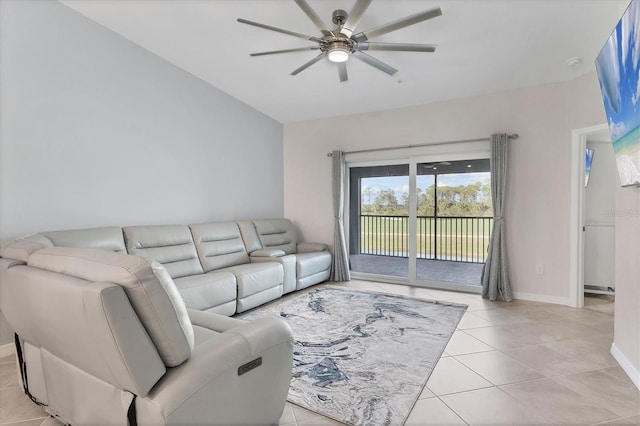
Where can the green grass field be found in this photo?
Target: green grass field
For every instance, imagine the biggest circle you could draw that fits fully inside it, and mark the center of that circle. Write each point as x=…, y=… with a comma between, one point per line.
x=442, y=238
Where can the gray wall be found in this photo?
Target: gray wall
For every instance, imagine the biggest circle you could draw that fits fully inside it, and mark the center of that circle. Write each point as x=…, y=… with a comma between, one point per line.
x=98, y=131
x=95, y=131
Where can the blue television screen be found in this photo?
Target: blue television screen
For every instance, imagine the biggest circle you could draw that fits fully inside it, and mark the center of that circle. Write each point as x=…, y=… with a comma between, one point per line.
x=587, y=165
x=618, y=65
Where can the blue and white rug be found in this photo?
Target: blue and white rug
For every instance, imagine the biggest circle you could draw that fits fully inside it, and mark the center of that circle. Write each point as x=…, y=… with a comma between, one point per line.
x=362, y=357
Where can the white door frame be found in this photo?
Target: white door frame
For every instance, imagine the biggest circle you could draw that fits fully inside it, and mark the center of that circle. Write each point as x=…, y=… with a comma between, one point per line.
x=576, y=212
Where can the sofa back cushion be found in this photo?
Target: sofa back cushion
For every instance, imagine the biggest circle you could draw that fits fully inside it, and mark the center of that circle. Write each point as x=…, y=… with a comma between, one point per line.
x=277, y=234
x=249, y=236
x=107, y=238
x=219, y=245
x=87, y=326
x=20, y=249
x=149, y=288
x=170, y=245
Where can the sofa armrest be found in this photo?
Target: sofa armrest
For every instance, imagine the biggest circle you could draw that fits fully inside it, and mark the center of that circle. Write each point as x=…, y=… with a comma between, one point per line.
x=250, y=363
x=267, y=253
x=288, y=262
x=311, y=247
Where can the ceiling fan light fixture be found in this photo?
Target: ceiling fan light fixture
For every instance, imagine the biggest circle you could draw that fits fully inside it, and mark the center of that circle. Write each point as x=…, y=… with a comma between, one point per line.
x=338, y=52
x=339, y=43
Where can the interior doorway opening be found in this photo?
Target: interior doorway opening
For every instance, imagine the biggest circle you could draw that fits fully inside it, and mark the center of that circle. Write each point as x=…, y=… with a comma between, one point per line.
x=592, y=215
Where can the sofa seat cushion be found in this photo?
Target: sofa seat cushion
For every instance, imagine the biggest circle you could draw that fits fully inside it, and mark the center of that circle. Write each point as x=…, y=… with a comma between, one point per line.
x=258, y=283
x=312, y=263
x=210, y=292
x=253, y=278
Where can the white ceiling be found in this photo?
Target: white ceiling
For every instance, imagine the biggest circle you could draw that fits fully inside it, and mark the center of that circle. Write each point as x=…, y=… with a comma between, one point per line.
x=483, y=46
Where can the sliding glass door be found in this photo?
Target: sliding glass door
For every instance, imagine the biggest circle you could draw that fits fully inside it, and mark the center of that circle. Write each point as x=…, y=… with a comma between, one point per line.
x=454, y=218
x=379, y=220
x=421, y=222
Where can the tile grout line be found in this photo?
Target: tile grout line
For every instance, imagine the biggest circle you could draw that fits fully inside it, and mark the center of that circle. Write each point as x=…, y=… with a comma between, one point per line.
x=452, y=410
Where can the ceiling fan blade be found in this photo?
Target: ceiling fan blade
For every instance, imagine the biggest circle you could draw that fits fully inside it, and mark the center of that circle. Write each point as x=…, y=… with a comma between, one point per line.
x=280, y=30
x=272, y=52
x=374, y=62
x=354, y=17
x=308, y=10
x=398, y=47
x=342, y=71
x=308, y=64
x=397, y=24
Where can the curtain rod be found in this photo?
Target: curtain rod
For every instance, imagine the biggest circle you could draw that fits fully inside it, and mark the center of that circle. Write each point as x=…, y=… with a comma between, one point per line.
x=390, y=148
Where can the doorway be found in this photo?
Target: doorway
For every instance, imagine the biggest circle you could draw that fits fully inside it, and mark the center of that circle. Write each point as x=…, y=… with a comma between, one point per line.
x=592, y=222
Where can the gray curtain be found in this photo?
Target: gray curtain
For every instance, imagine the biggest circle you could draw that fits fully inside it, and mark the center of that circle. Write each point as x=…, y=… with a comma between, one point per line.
x=340, y=267
x=495, y=274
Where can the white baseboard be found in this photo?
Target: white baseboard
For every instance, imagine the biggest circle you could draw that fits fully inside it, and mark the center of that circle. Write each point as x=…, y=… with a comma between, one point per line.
x=626, y=365
x=542, y=298
x=8, y=349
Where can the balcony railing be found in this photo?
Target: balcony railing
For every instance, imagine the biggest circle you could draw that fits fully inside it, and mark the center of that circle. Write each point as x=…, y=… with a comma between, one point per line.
x=458, y=239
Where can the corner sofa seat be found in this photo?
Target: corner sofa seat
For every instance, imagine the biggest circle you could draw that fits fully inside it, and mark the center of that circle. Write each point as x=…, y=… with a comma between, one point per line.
x=102, y=332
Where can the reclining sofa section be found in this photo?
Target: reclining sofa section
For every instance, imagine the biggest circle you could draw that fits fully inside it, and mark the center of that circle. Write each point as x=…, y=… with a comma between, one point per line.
x=219, y=267
x=106, y=338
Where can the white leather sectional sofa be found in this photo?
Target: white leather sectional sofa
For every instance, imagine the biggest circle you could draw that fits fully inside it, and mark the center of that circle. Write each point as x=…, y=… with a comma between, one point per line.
x=220, y=267
x=131, y=325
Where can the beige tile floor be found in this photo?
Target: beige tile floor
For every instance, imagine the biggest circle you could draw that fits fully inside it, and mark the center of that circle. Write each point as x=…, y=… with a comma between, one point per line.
x=517, y=363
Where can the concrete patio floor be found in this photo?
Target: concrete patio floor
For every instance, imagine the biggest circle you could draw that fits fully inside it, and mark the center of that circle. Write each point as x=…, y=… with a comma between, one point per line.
x=427, y=269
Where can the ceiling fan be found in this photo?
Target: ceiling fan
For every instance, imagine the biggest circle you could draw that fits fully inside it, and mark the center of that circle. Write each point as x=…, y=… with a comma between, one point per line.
x=341, y=42
x=435, y=165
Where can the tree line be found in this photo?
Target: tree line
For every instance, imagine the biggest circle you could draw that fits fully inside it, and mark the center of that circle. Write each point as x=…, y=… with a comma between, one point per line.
x=463, y=200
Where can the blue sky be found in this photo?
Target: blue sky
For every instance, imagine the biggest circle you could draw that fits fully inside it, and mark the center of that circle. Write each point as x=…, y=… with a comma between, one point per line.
x=618, y=67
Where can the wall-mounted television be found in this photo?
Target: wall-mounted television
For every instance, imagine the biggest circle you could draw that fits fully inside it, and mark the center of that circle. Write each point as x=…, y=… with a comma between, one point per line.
x=587, y=165
x=618, y=65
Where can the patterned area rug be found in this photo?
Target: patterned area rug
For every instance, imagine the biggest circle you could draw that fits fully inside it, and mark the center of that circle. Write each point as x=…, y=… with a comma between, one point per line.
x=362, y=357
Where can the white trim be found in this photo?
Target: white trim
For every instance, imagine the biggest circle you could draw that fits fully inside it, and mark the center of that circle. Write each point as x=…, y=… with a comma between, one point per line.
x=542, y=298
x=626, y=365
x=365, y=276
x=442, y=285
x=7, y=350
x=479, y=154
x=576, y=220
x=374, y=163
x=413, y=221
x=435, y=285
x=607, y=143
